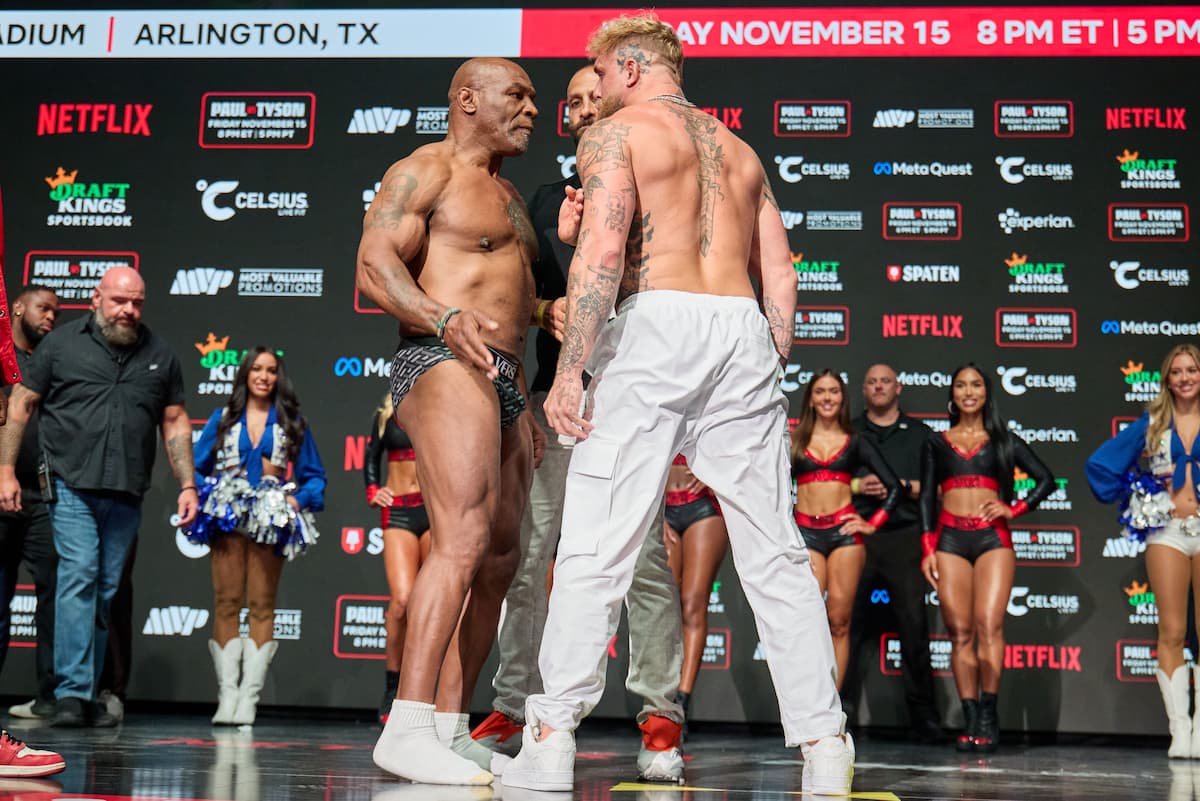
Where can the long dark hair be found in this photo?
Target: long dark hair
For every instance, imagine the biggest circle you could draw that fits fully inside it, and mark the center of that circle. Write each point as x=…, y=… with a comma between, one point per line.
x=802, y=433
x=287, y=405
x=993, y=424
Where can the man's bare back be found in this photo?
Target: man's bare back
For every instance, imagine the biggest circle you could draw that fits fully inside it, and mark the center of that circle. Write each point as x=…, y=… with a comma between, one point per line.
x=699, y=189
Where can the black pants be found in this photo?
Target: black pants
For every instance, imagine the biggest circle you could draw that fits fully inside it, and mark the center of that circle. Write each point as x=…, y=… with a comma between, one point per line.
x=26, y=536
x=118, y=659
x=894, y=562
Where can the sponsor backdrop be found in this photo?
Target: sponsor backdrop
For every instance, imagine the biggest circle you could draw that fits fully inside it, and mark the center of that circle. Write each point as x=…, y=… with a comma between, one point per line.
x=1035, y=220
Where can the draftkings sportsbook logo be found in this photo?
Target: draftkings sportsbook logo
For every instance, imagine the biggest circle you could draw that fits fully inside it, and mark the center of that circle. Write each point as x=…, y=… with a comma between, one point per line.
x=1038, y=277
x=816, y=276
x=1141, y=385
x=1145, y=611
x=1057, y=501
x=1147, y=173
x=87, y=205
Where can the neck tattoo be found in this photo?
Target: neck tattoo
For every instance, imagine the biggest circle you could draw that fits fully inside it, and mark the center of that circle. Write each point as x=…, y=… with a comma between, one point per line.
x=677, y=99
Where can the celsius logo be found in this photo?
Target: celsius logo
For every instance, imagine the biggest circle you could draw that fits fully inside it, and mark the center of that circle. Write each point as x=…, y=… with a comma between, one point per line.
x=893, y=118
x=791, y=219
x=1015, y=169
x=566, y=165
x=1012, y=220
x=378, y=120
x=793, y=169
x=132, y=119
x=1018, y=381
x=1131, y=275
x=794, y=377
x=1021, y=601
x=285, y=204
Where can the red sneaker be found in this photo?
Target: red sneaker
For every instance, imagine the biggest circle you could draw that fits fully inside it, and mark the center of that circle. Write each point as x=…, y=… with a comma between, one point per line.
x=18, y=759
x=660, y=734
x=500, y=733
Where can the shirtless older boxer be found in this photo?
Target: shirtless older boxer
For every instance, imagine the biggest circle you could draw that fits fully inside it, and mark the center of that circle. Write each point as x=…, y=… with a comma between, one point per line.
x=677, y=215
x=446, y=250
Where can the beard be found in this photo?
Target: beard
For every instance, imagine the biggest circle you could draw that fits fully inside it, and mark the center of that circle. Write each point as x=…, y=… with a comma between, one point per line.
x=608, y=106
x=120, y=335
x=33, y=334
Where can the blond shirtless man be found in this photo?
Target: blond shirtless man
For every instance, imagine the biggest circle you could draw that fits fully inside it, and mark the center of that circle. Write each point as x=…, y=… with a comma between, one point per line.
x=446, y=250
x=677, y=216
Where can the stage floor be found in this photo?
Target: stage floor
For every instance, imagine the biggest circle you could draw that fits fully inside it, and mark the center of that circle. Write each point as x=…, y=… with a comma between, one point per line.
x=183, y=757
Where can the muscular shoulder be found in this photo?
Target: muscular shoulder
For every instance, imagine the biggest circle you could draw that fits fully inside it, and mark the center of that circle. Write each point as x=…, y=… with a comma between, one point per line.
x=418, y=179
x=603, y=144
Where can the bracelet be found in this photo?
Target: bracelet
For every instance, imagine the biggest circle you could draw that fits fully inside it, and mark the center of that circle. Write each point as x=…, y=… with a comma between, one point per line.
x=855, y=486
x=192, y=488
x=540, y=315
x=441, y=324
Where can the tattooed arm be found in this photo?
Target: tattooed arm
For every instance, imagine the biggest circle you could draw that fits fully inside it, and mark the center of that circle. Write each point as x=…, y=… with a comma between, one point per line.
x=177, y=436
x=394, y=237
x=21, y=407
x=610, y=198
x=771, y=258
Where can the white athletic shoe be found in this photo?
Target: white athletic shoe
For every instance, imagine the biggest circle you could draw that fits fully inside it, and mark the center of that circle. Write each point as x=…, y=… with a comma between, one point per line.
x=548, y=765
x=660, y=766
x=828, y=766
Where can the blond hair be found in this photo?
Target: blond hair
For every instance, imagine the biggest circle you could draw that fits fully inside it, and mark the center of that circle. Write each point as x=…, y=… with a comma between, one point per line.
x=384, y=413
x=1162, y=408
x=644, y=30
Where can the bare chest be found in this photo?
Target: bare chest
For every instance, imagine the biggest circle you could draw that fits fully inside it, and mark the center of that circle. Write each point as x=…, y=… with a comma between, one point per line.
x=483, y=215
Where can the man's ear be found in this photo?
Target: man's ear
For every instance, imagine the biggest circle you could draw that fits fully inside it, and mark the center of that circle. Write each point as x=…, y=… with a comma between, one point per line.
x=466, y=99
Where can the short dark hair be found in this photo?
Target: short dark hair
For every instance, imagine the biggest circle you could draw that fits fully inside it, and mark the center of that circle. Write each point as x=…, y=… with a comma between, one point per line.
x=33, y=289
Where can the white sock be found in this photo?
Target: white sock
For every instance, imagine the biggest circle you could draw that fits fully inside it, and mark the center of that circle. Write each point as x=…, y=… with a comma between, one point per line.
x=454, y=732
x=409, y=747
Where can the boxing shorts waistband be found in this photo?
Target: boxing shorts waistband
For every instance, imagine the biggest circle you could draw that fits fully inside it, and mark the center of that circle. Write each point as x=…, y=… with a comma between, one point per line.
x=824, y=521
x=681, y=497
x=402, y=455
x=506, y=365
x=408, y=501
x=971, y=523
x=823, y=475
x=970, y=482
x=679, y=459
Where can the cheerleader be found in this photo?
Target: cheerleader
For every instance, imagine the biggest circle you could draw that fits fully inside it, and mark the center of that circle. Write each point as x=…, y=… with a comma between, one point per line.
x=826, y=454
x=968, y=553
x=253, y=516
x=1162, y=508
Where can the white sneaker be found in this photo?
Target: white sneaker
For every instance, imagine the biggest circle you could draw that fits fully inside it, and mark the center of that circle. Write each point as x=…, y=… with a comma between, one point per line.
x=660, y=766
x=548, y=765
x=828, y=766
x=24, y=710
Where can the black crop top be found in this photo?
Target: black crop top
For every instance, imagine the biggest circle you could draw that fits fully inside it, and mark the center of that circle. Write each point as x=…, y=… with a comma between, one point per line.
x=945, y=467
x=858, y=452
x=394, y=441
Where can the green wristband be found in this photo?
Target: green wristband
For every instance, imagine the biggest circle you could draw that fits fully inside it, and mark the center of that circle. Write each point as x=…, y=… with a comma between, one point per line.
x=441, y=324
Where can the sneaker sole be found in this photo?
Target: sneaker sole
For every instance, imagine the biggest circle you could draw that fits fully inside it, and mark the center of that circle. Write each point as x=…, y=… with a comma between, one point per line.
x=831, y=787
x=552, y=781
x=499, y=763
x=33, y=771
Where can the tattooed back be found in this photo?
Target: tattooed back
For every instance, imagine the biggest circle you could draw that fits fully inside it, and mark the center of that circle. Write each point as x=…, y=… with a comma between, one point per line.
x=697, y=194
x=462, y=232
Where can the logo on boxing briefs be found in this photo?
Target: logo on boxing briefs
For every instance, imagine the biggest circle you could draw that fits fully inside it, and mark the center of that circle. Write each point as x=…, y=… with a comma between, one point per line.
x=817, y=118
x=257, y=120
x=1035, y=118
x=1148, y=222
x=130, y=119
x=1138, y=172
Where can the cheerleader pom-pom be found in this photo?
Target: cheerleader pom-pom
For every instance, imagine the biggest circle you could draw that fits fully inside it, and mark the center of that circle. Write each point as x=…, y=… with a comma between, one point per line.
x=1146, y=506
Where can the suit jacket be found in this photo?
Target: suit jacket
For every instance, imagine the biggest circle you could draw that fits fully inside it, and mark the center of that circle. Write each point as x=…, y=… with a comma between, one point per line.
x=549, y=269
